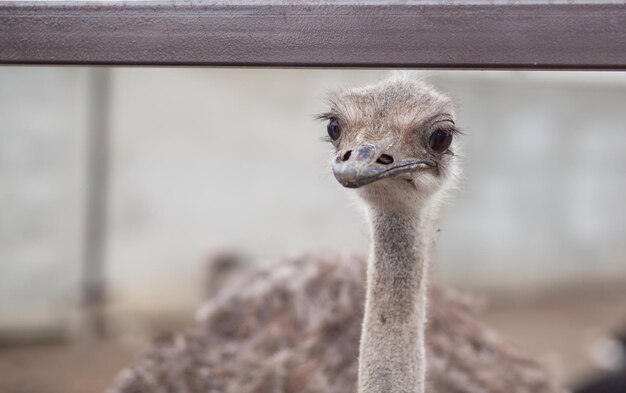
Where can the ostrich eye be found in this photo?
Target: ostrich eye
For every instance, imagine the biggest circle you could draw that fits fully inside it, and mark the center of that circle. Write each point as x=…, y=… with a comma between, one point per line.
x=334, y=129
x=440, y=141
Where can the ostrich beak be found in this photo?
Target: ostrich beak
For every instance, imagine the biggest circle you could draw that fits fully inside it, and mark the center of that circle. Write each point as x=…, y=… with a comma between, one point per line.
x=367, y=164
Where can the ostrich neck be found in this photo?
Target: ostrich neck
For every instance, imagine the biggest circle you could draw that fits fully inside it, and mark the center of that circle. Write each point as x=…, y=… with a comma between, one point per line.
x=392, y=341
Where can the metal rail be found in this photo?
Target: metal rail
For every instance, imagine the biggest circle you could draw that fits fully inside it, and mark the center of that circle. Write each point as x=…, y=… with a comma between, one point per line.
x=421, y=34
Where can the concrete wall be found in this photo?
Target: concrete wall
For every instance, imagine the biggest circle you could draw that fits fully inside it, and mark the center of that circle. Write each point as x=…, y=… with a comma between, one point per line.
x=204, y=158
x=543, y=201
x=43, y=116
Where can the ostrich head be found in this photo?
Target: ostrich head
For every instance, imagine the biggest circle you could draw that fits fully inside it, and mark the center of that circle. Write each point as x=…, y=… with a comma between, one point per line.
x=394, y=141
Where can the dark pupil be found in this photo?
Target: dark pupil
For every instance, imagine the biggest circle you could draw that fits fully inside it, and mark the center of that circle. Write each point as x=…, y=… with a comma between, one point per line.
x=440, y=141
x=333, y=129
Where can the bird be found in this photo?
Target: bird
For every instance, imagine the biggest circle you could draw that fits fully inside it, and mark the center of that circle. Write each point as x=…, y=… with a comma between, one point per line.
x=341, y=321
x=610, y=355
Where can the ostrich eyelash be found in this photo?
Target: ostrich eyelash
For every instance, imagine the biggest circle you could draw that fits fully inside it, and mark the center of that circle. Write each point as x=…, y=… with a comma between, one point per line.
x=325, y=116
x=458, y=131
x=448, y=128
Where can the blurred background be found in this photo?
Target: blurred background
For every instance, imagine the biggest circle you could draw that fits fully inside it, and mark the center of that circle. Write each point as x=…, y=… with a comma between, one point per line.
x=121, y=189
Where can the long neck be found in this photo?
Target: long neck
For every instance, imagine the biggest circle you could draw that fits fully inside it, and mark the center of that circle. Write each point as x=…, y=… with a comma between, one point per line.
x=392, y=341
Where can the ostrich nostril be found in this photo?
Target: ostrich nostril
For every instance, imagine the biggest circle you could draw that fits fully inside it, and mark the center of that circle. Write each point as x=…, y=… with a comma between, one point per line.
x=385, y=159
x=346, y=155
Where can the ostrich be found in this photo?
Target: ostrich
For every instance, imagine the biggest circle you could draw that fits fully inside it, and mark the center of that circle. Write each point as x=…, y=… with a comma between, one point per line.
x=300, y=326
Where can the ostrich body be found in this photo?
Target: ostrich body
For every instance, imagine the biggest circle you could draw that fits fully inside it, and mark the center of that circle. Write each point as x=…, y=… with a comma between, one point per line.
x=296, y=328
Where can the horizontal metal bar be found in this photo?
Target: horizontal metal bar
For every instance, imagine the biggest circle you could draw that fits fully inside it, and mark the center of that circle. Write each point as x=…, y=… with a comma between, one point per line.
x=420, y=34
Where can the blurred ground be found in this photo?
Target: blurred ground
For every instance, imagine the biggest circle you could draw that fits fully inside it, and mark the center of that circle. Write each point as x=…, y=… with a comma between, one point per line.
x=561, y=331
x=57, y=368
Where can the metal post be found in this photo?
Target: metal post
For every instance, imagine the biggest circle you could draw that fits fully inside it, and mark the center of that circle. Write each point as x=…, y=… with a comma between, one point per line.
x=94, y=257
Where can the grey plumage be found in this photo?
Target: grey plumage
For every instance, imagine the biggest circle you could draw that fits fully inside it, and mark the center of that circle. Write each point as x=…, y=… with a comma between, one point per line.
x=294, y=328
